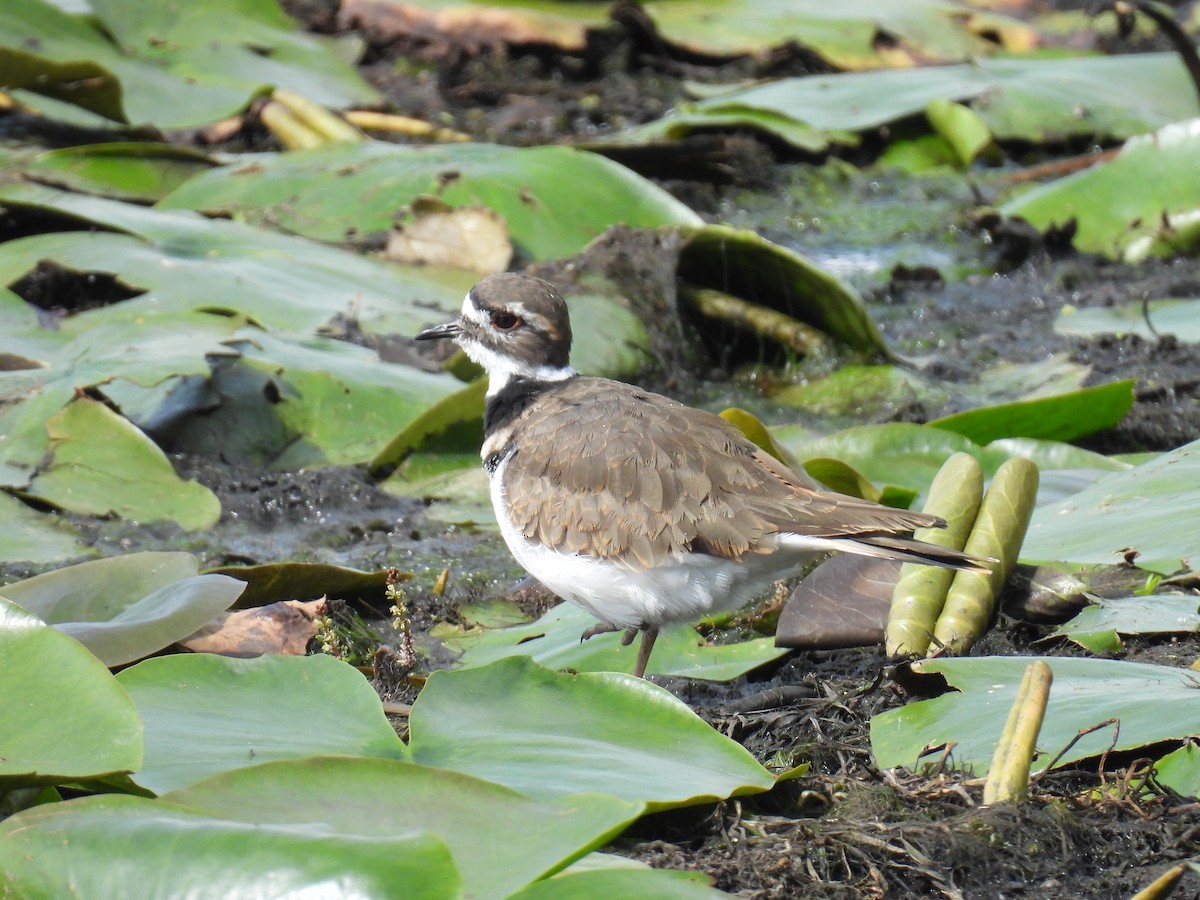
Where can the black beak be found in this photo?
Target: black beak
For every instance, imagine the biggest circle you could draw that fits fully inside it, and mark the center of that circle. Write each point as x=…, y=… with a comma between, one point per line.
x=437, y=332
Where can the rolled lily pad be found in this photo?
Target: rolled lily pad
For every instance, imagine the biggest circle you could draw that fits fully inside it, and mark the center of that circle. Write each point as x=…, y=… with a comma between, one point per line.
x=99, y=846
x=1158, y=318
x=1086, y=692
x=553, y=641
x=548, y=734
x=1098, y=627
x=65, y=717
x=175, y=71
x=208, y=714
x=101, y=464
x=554, y=199
x=1149, y=514
x=371, y=797
x=1142, y=203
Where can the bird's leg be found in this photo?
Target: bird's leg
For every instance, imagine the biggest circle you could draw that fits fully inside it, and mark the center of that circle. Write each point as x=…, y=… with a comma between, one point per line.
x=649, y=635
x=599, y=628
x=628, y=636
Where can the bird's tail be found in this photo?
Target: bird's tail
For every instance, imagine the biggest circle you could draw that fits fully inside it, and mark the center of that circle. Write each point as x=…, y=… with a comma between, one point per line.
x=887, y=546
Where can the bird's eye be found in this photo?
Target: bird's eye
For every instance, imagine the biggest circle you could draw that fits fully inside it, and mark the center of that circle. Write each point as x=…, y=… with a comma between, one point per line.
x=505, y=321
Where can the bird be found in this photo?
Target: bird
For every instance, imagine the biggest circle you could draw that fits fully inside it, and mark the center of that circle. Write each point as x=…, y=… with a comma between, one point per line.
x=642, y=510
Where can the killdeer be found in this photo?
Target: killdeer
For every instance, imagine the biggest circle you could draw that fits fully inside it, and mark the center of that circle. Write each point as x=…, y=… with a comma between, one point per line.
x=640, y=509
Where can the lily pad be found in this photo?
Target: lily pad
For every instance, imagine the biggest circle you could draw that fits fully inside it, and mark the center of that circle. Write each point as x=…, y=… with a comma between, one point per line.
x=1180, y=770
x=1033, y=100
x=66, y=717
x=30, y=536
x=1150, y=321
x=139, y=172
x=1086, y=692
x=553, y=641
x=99, y=846
x=1150, y=514
x=1142, y=203
x=208, y=714
x=127, y=607
x=549, y=734
x=554, y=199
x=101, y=464
x=1098, y=627
x=163, y=67
x=371, y=797
x=274, y=582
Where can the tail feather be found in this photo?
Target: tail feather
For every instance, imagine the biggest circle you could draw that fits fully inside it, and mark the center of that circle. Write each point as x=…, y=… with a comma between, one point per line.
x=912, y=550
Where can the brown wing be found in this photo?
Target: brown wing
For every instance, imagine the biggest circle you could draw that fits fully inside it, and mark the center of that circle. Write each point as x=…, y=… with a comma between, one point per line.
x=602, y=464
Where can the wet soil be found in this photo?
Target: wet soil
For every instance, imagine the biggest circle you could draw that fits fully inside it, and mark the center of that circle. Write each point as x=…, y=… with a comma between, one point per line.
x=961, y=300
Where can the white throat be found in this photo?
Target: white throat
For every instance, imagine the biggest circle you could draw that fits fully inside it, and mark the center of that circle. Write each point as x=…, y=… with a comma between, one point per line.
x=502, y=369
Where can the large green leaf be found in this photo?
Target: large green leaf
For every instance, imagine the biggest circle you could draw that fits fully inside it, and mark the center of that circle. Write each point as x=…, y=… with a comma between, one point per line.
x=114, y=846
x=209, y=714
x=179, y=65
x=554, y=199
x=553, y=641
x=127, y=607
x=1033, y=100
x=369, y=797
x=1151, y=512
x=141, y=172
x=1152, y=704
x=1144, y=202
x=65, y=717
x=1098, y=627
x=101, y=463
x=549, y=734
x=1180, y=770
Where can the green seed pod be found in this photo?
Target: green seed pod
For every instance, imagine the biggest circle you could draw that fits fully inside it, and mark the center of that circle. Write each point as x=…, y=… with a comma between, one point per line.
x=998, y=533
x=955, y=495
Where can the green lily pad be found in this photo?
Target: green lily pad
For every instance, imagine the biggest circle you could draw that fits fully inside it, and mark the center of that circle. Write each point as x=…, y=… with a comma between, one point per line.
x=1143, y=203
x=30, y=536
x=661, y=884
x=548, y=734
x=65, y=717
x=1085, y=693
x=1033, y=100
x=208, y=714
x=139, y=172
x=158, y=65
x=1150, y=514
x=371, y=797
x=1098, y=627
x=127, y=607
x=1059, y=417
x=1180, y=318
x=553, y=641
x=100, y=846
x=554, y=199
x=1180, y=770
x=102, y=464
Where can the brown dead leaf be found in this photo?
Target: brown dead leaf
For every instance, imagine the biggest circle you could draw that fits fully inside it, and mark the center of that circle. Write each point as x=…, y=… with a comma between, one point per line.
x=843, y=602
x=470, y=28
x=473, y=238
x=285, y=627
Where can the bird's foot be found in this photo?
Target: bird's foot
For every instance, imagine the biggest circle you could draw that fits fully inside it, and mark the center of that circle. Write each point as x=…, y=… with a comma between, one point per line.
x=599, y=628
x=649, y=635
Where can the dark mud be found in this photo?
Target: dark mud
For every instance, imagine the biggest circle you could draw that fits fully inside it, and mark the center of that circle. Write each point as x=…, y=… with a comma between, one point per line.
x=943, y=292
